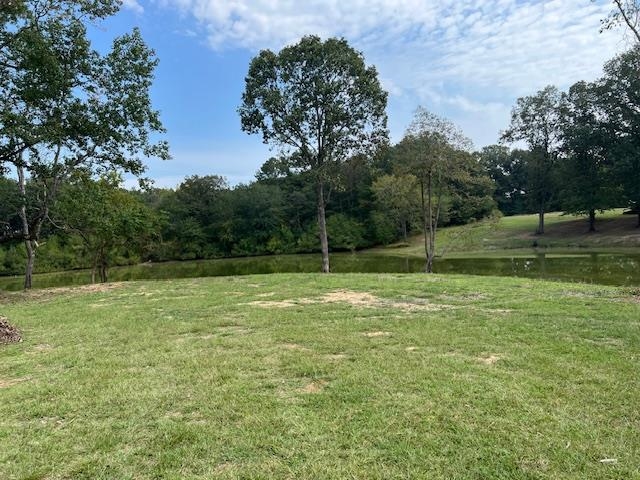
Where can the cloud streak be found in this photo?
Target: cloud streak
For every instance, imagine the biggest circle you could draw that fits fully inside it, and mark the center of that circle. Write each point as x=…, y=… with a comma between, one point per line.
x=133, y=5
x=468, y=56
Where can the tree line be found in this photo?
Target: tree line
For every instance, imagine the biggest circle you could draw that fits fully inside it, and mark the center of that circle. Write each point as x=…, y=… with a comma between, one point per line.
x=583, y=152
x=73, y=120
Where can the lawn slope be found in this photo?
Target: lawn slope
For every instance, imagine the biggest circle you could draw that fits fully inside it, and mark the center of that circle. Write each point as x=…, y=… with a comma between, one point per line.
x=516, y=234
x=311, y=376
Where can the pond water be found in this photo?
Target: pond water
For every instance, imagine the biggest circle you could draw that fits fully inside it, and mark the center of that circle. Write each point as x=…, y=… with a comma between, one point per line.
x=604, y=268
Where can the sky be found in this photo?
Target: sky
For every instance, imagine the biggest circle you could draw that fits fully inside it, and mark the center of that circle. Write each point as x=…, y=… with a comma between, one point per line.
x=466, y=60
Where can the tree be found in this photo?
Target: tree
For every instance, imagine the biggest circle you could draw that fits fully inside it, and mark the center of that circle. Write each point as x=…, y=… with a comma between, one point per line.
x=320, y=104
x=106, y=217
x=64, y=106
x=588, y=185
x=433, y=150
x=9, y=207
x=621, y=98
x=535, y=120
x=624, y=12
x=470, y=192
x=507, y=169
x=397, y=196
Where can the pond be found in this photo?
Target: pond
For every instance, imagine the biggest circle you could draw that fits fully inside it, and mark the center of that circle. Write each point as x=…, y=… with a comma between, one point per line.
x=604, y=268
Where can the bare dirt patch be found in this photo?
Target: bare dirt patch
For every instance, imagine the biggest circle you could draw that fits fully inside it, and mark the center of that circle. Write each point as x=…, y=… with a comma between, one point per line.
x=377, y=334
x=314, y=387
x=273, y=304
x=356, y=299
x=42, y=347
x=359, y=299
x=336, y=356
x=6, y=383
x=490, y=359
x=45, y=294
x=8, y=333
x=294, y=346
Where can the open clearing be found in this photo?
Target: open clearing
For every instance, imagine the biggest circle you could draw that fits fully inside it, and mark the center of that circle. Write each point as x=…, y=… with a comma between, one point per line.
x=516, y=234
x=310, y=376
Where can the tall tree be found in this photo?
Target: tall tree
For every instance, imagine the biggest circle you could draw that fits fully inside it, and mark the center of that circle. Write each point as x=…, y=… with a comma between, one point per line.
x=64, y=106
x=397, y=196
x=320, y=104
x=507, y=168
x=535, y=120
x=621, y=96
x=433, y=149
x=588, y=185
x=106, y=217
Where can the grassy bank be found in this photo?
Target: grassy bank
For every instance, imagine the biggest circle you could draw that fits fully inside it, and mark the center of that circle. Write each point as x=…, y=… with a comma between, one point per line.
x=516, y=235
x=309, y=376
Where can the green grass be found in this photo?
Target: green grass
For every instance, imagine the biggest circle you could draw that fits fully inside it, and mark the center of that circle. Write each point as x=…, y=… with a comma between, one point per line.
x=310, y=376
x=516, y=235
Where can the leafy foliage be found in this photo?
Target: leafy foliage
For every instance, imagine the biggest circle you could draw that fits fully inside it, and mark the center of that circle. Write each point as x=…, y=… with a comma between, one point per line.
x=319, y=104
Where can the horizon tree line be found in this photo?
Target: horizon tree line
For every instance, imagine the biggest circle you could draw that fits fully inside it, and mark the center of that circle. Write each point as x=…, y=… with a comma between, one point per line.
x=71, y=123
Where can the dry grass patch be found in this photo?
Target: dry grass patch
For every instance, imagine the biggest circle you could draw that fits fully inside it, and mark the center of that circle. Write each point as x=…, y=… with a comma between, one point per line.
x=41, y=347
x=336, y=356
x=490, y=359
x=294, y=346
x=9, y=382
x=377, y=334
x=355, y=299
x=314, y=387
x=272, y=304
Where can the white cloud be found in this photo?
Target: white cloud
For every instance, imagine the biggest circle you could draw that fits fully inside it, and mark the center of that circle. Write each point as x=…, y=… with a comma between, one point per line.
x=468, y=56
x=133, y=5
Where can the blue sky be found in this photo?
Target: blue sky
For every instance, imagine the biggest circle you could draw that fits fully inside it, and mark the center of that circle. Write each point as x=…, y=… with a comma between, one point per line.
x=467, y=60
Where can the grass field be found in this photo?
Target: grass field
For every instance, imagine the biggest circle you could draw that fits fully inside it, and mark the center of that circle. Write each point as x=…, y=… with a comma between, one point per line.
x=309, y=376
x=511, y=235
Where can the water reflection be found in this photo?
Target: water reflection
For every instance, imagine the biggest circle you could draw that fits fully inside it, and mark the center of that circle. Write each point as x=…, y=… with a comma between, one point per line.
x=605, y=268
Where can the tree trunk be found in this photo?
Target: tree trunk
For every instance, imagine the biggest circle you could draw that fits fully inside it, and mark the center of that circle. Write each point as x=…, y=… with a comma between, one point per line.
x=428, y=224
x=322, y=226
x=26, y=233
x=432, y=237
x=592, y=220
x=425, y=228
x=103, y=265
x=94, y=269
x=540, y=229
x=31, y=257
x=638, y=224
x=404, y=231
x=103, y=272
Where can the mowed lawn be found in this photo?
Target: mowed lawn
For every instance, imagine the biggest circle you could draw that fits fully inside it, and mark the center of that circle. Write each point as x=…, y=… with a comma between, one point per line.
x=516, y=234
x=323, y=377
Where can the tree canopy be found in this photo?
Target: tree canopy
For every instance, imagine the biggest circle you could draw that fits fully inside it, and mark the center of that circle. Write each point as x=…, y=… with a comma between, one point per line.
x=319, y=104
x=64, y=106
